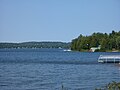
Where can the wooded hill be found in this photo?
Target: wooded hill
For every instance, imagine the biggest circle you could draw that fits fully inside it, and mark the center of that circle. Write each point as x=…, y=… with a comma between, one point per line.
x=108, y=42
x=35, y=45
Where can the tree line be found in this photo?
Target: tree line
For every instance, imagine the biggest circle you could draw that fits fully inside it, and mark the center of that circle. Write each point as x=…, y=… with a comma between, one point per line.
x=35, y=45
x=108, y=42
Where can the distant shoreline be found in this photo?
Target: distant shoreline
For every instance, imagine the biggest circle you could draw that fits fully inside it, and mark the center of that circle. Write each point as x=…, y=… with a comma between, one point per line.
x=35, y=45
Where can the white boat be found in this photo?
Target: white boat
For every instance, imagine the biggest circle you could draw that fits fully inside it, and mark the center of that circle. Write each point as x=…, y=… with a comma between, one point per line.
x=67, y=50
x=109, y=59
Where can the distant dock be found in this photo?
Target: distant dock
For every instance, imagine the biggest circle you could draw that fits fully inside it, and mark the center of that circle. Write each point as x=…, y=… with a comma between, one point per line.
x=109, y=59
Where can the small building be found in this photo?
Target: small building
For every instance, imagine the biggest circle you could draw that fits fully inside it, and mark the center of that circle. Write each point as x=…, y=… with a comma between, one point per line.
x=92, y=49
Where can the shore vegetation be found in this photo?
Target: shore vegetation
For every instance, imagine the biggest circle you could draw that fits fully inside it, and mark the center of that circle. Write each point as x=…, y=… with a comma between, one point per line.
x=107, y=42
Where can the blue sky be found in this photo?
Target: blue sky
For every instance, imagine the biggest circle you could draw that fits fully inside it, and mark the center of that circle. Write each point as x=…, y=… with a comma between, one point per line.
x=56, y=20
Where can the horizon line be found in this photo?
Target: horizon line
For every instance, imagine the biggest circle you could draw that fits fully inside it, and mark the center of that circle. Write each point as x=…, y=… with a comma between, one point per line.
x=31, y=41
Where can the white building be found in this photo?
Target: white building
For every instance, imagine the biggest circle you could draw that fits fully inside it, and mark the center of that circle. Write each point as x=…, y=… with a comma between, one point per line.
x=92, y=49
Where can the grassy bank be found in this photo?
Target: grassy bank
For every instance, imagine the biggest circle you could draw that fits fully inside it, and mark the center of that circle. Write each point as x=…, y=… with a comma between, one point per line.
x=111, y=86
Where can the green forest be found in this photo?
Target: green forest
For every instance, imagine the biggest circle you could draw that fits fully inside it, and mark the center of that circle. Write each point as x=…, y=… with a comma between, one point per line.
x=107, y=42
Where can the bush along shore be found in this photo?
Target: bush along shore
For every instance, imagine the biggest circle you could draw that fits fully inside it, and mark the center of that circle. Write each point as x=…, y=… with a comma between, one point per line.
x=111, y=86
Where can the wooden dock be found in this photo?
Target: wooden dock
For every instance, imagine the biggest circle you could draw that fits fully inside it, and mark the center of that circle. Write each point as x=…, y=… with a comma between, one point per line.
x=109, y=59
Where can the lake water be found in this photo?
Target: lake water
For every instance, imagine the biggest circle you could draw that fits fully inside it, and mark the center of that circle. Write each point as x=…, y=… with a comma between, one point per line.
x=52, y=69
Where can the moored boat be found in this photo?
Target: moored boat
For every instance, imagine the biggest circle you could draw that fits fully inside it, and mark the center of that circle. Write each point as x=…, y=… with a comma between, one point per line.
x=109, y=59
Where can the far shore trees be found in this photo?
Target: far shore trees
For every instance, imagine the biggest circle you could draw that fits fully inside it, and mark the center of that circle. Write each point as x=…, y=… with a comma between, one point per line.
x=108, y=42
x=35, y=45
